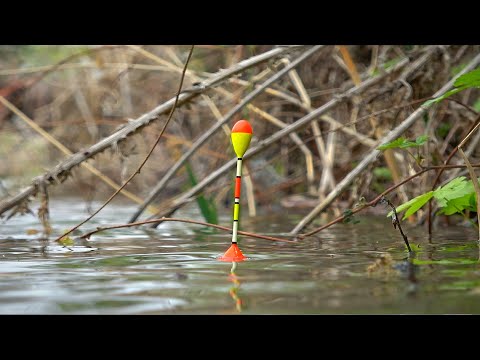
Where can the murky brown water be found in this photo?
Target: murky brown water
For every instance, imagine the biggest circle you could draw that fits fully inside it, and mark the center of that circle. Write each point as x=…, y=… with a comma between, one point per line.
x=173, y=270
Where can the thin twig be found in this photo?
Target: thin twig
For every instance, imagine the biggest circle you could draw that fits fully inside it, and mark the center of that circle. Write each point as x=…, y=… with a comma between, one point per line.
x=146, y=157
x=396, y=221
x=253, y=235
x=471, y=171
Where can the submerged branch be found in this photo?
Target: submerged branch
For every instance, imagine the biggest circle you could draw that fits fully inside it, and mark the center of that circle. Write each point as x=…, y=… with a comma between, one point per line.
x=253, y=235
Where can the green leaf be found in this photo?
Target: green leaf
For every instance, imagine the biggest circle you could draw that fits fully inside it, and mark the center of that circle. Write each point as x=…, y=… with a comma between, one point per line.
x=470, y=79
x=403, y=143
x=440, y=98
x=459, y=205
x=421, y=200
x=456, y=188
x=421, y=140
x=413, y=205
x=416, y=247
x=456, y=196
x=392, y=144
x=387, y=65
x=349, y=217
x=207, y=206
x=66, y=241
x=466, y=81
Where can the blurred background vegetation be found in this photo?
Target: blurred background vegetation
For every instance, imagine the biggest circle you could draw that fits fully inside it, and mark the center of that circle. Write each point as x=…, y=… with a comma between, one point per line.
x=81, y=94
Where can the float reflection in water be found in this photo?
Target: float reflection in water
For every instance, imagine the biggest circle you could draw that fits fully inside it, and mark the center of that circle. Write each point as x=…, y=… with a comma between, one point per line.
x=233, y=291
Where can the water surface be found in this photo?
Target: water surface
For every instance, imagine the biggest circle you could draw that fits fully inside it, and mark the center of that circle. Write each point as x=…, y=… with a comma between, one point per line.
x=173, y=269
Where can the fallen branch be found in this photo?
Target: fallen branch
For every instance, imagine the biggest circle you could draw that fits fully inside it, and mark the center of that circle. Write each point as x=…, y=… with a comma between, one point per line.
x=66, y=151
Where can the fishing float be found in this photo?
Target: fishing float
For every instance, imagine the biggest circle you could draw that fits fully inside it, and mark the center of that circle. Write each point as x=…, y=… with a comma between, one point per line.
x=241, y=135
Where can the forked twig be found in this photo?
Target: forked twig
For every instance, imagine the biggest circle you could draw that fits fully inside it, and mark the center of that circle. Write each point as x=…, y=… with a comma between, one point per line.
x=396, y=220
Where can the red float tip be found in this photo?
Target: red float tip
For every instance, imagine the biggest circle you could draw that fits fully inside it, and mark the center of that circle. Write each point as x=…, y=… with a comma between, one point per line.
x=233, y=254
x=242, y=126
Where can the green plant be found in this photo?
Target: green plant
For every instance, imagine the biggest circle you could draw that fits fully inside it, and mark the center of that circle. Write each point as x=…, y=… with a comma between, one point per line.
x=403, y=143
x=457, y=196
x=206, y=205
